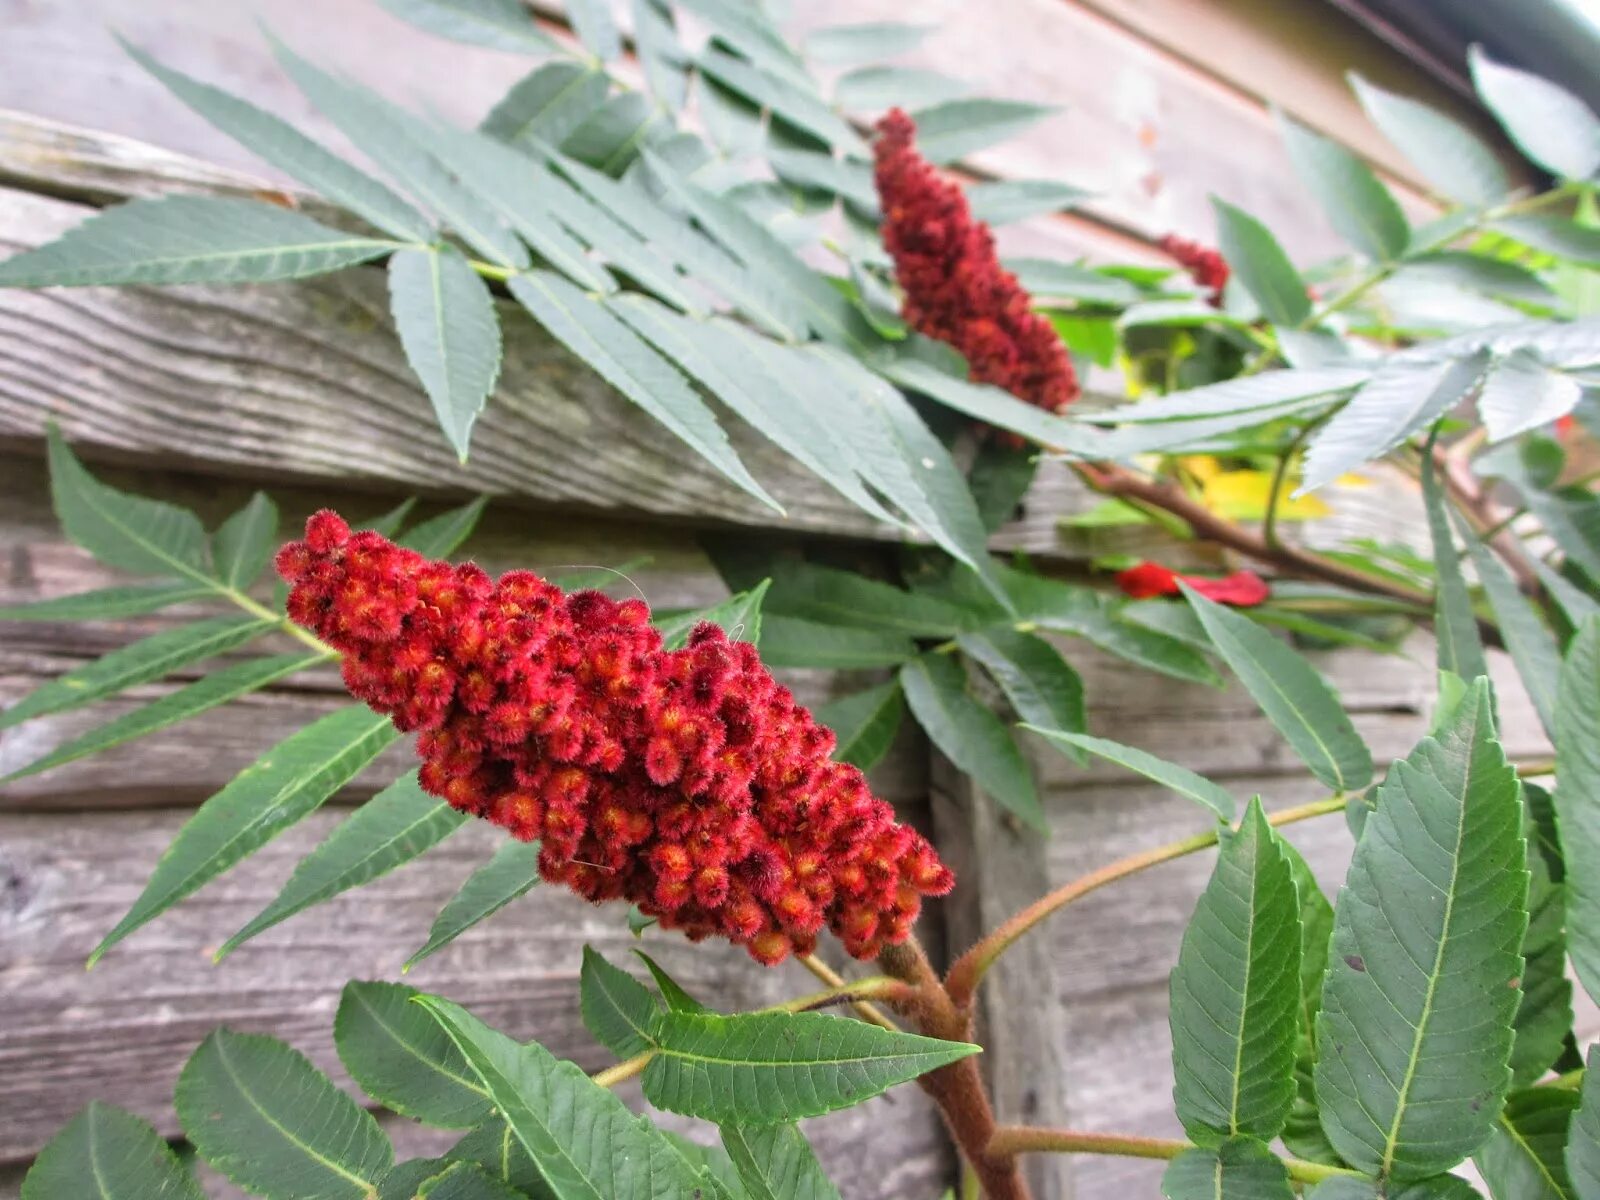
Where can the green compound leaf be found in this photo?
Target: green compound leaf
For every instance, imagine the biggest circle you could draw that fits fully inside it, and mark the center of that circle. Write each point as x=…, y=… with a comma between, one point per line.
x=403, y=1059
x=865, y=723
x=777, y=1163
x=147, y=537
x=1583, y=1138
x=441, y=536
x=1577, y=800
x=1455, y=162
x=1460, y=647
x=624, y=360
x=151, y=658
x=105, y=1153
x=970, y=735
x=287, y=783
x=1239, y=1169
x=260, y=1113
x=1042, y=686
x=583, y=1141
x=504, y=878
x=210, y=691
x=190, y=239
x=617, y=1009
x=244, y=543
x=1186, y=783
x=1294, y=697
x=291, y=151
x=1261, y=265
x=109, y=604
x=1548, y=123
x=1523, y=1158
x=1236, y=992
x=395, y=826
x=770, y=1068
x=447, y=325
x=1364, y=212
x=1415, y=1032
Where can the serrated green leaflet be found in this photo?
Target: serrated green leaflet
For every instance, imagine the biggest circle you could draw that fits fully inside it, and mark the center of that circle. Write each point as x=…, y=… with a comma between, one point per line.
x=506, y=876
x=1533, y=647
x=613, y=136
x=769, y=1068
x=496, y=1149
x=1559, y=236
x=497, y=24
x=389, y=523
x=739, y=616
x=441, y=536
x=957, y=128
x=1583, y=1136
x=989, y=404
x=190, y=239
x=777, y=1163
x=148, y=537
x=243, y=544
x=447, y=325
x=1186, y=783
x=1261, y=265
x=1042, y=687
x=787, y=98
x=1521, y=393
x=105, y=1153
x=1455, y=625
x=105, y=604
x=678, y=1000
x=1523, y=1158
x=847, y=45
x=655, y=38
x=797, y=642
x=829, y=596
x=1577, y=799
x=218, y=688
x=1364, y=212
x=1548, y=123
x=617, y=1009
x=403, y=1059
x=391, y=829
x=1239, y=1169
x=441, y=1179
x=1011, y=200
x=865, y=723
x=288, y=149
x=548, y=103
x=1415, y=1033
x=1454, y=162
x=1236, y=992
x=1246, y=394
x=1316, y=932
x=285, y=784
x=595, y=27
x=970, y=735
x=872, y=89
x=151, y=658
x=1544, y=1015
x=583, y=1140
x=589, y=329
x=1294, y=697
x=260, y=1113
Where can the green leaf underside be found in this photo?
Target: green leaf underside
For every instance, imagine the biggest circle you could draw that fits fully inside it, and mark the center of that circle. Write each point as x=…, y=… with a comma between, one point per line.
x=210, y=691
x=1415, y=1032
x=108, y=604
x=190, y=239
x=505, y=877
x=1253, y=392
x=1583, y=1137
x=287, y=783
x=583, y=1141
x=1041, y=685
x=777, y=1163
x=497, y=24
x=865, y=723
x=139, y=662
x=244, y=543
x=970, y=735
x=395, y=826
x=1239, y=1169
x=1236, y=992
x=1533, y=648
x=1364, y=212
x=1520, y=393
x=769, y=1068
x=958, y=128
x=105, y=1153
x=1548, y=123
x=1294, y=697
x=1460, y=647
x=1454, y=162
x=1523, y=1158
x=868, y=41
x=1577, y=799
x=874, y=88
x=446, y=321
x=260, y=1113
x=1186, y=783
x=403, y=1058
x=617, y=1009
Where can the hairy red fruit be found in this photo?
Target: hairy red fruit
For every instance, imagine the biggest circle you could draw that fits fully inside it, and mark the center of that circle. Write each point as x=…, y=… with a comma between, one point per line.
x=1242, y=589
x=687, y=781
x=955, y=288
x=1206, y=266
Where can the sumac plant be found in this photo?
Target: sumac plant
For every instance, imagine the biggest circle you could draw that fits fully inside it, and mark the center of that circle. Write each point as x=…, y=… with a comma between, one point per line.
x=1364, y=1047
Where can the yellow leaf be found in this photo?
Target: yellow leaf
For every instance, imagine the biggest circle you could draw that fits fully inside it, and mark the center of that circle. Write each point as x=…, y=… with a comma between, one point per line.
x=1242, y=496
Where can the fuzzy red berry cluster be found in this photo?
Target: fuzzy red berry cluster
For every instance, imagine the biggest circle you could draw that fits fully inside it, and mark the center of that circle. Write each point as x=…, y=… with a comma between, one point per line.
x=687, y=781
x=1205, y=266
x=955, y=288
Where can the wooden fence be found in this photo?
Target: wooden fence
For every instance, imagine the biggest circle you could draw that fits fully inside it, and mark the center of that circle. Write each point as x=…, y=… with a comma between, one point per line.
x=198, y=394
